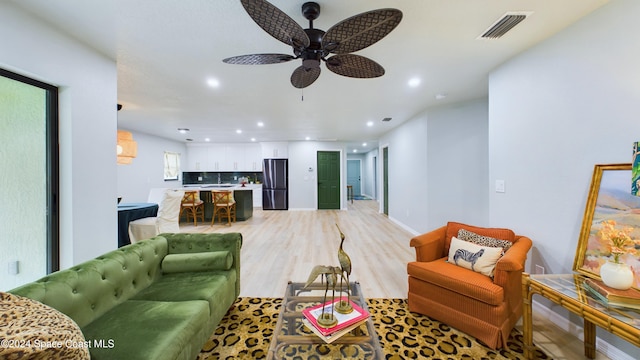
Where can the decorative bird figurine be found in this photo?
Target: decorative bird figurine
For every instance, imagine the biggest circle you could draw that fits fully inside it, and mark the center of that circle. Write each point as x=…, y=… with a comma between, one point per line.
x=345, y=266
x=326, y=320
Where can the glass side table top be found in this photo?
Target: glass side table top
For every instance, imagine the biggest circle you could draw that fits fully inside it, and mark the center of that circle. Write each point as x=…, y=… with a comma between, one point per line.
x=570, y=285
x=291, y=338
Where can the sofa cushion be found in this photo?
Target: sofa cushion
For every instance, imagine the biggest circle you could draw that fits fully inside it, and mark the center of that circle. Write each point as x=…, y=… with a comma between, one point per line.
x=457, y=279
x=203, y=261
x=474, y=257
x=217, y=288
x=498, y=233
x=481, y=240
x=34, y=330
x=141, y=330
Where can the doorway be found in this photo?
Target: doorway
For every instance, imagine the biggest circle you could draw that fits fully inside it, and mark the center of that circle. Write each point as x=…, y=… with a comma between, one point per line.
x=328, y=164
x=29, y=228
x=375, y=178
x=385, y=180
x=354, y=176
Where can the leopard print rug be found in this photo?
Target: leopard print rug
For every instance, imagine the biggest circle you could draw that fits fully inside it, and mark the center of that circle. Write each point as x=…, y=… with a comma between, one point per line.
x=246, y=330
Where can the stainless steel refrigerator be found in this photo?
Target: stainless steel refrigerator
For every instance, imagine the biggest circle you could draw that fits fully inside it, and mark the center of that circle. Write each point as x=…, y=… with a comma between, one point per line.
x=275, y=195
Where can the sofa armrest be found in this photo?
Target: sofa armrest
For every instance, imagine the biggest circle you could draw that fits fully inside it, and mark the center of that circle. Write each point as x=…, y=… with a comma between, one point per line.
x=184, y=243
x=429, y=246
x=510, y=266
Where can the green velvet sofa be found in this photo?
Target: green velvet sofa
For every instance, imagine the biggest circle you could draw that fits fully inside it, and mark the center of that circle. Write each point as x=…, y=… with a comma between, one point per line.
x=160, y=298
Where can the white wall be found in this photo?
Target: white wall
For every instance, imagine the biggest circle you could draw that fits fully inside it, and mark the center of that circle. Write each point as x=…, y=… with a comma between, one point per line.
x=88, y=97
x=458, y=161
x=147, y=169
x=438, y=167
x=556, y=111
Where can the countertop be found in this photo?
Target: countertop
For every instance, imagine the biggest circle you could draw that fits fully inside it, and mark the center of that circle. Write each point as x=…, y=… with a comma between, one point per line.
x=209, y=187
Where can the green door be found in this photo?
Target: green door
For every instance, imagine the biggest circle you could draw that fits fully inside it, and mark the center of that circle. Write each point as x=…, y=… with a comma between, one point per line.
x=328, y=180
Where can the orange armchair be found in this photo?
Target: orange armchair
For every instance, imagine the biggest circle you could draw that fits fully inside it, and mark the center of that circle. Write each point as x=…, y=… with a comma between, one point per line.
x=484, y=307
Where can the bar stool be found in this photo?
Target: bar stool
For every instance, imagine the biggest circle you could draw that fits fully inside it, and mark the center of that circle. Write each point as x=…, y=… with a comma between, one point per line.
x=350, y=193
x=223, y=205
x=193, y=206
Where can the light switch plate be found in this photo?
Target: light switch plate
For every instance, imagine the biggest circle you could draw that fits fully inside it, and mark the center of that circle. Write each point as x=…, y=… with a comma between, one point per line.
x=500, y=186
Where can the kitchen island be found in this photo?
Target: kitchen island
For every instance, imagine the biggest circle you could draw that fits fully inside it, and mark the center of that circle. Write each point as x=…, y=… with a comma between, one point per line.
x=242, y=195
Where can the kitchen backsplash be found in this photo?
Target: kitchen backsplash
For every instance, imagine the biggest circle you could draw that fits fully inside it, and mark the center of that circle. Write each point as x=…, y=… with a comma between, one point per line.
x=194, y=177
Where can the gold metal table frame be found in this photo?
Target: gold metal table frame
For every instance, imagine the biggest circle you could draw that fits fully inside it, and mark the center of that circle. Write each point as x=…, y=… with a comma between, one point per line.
x=566, y=290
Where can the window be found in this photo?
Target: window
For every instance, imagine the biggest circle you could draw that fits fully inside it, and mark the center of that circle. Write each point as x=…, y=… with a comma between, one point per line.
x=171, y=165
x=29, y=226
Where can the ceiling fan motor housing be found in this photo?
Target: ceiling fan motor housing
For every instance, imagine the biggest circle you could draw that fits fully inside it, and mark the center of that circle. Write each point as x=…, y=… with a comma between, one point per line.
x=312, y=55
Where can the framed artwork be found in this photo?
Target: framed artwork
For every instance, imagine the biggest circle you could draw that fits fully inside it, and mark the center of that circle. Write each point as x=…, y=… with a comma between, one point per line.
x=635, y=170
x=609, y=199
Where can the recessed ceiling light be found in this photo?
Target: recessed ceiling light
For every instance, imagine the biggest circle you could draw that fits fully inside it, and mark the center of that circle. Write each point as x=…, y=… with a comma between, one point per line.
x=253, y=139
x=355, y=150
x=183, y=130
x=440, y=96
x=214, y=83
x=238, y=131
x=207, y=139
x=369, y=123
x=307, y=138
x=364, y=144
x=260, y=124
x=414, y=82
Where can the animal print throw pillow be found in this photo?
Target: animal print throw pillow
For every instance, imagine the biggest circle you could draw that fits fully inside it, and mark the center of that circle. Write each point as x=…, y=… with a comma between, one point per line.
x=467, y=235
x=474, y=257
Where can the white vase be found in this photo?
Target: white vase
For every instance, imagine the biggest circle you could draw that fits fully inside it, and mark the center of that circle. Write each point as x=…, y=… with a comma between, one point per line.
x=616, y=275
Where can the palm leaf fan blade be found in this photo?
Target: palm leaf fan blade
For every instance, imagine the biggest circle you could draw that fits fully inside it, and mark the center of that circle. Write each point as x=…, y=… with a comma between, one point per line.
x=361, y=31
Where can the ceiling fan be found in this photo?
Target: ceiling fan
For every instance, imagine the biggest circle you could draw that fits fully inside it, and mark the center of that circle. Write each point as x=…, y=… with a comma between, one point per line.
x=314, y=45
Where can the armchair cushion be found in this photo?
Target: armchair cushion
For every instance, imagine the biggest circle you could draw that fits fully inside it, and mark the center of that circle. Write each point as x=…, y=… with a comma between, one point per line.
x=448, y=276
x=477, y=239
x=474, y=257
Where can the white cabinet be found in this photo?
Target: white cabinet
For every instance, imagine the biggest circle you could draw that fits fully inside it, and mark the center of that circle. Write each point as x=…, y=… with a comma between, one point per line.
x=257, y=194
x=224, y=157
x=275, y=150
x=234, y=157
x=196, y=158
x=216, y=157
x=253, y=158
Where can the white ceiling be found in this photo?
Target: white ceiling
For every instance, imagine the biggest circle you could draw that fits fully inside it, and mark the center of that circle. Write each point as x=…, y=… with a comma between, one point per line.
x=166, y=50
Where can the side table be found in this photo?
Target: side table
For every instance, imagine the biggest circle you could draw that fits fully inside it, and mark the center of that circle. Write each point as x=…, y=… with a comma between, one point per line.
x=566, y=290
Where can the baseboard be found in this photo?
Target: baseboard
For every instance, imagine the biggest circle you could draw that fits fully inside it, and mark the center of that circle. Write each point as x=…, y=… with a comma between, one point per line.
x=563, y=323
x=415, y=233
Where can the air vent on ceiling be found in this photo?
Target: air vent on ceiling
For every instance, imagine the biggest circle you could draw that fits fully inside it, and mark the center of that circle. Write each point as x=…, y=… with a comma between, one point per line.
x=386, y=119
x=507, y=22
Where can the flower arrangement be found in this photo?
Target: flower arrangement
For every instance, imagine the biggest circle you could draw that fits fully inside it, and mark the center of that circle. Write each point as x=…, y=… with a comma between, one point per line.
x=619, y=241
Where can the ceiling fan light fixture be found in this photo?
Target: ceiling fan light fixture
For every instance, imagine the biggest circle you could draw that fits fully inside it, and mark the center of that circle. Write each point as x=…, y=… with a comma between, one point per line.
x=313, y=45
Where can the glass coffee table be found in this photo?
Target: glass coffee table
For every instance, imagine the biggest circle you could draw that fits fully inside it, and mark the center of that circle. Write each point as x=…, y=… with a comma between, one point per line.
x=291, y=338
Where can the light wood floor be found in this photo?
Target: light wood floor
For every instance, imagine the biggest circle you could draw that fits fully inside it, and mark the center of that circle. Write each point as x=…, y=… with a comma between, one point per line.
x=282, y=246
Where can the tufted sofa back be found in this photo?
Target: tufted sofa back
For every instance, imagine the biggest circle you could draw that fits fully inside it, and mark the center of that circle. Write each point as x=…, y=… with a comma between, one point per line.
x=88, y=290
